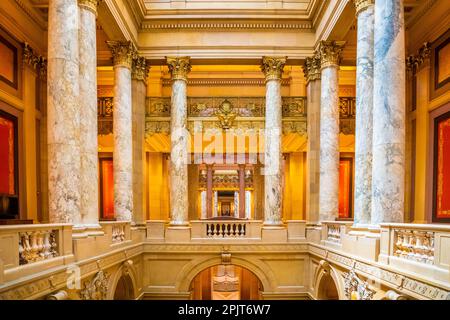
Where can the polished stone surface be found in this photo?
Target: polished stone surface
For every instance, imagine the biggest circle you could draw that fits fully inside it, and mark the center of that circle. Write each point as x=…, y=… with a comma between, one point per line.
x=364, y=124
x=63, y=123
x=388, y=171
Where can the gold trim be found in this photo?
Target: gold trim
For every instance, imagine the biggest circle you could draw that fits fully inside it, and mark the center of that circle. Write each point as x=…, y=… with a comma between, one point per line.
x=311, y=68
x=179, y=67
x=329, y=53
x=123, y=53
x=362, y=5
x=140, y=69
x=90, y=5
x=272, y=67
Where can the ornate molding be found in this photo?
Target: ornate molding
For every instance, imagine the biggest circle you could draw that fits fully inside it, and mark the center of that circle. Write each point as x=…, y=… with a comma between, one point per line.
x=355, y=288
x=35, y=61
x=329, y=53
x=272, y=67
x=413, y=62
x=362, y=5
x=123, y=53
x=226, y=114
x=97, y=288
x=179, y=67
x=226, y=82
x=140, y=69
x=311, y=68
x=89, y=5
x=227, y=25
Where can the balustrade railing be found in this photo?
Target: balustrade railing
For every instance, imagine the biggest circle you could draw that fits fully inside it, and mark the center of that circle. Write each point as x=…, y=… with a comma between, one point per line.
x=332, y=231
x=225, y=229
x=117, y=231
x=416, y=245
x=37, y=245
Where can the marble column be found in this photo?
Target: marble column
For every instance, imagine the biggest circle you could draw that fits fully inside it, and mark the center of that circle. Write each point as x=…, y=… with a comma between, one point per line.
x=139, y=75
x=123, y=53
x=364, y=107
x=272, y=68
x=88, y=113
x=63, y=122
x=179, y=141
x=311, y=69
x=209, y=190
x=242, y=191
x=388, y=166
x=329, y=53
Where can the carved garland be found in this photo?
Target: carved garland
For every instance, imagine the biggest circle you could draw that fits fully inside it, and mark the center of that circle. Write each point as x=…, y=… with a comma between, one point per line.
x=97, y=288
x=355, y=288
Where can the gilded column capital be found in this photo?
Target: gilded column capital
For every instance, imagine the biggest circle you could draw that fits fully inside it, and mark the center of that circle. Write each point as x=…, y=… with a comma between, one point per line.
x=329, y=53
x=123, y=53
x=179, y=67
x=311, y=68
x=362, y=5
x=140, y=69
x=35, y=61
x=272, y=67
x=89, y=5
x=413, y=62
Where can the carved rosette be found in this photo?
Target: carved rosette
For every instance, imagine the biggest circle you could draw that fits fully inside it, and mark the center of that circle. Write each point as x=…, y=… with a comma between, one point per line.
x=89, y=5
x=311, y=68
x=272, y=67
x=330, y=53
x=362, y=5
x=179, y=67
x=123, y=53
x=140, y=69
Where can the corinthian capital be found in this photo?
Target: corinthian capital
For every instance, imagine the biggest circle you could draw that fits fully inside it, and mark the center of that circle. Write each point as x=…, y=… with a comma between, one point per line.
x=140, y=69
x=123, y=53
x=179, y=67
x=89, y=4
x=272, y=67
x=362, y=5
x=330, y=53
x=311, y=68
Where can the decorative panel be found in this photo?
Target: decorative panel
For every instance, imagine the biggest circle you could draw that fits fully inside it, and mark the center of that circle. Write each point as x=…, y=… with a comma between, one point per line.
x=106, y=188
x=10, y=66
x=8, y=153
x=345, y=187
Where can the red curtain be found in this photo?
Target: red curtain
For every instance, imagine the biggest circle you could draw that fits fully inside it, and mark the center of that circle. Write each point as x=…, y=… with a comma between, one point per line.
x=107, y=182
x=443, y=172
x=345, y=171
x=7, y=156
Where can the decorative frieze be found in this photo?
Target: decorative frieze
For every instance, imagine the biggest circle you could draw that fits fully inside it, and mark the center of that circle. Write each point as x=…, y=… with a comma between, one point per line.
x=227, y=25
x=97, y=288
x=208, y=82
x=361, y=5
x=89, y=4
x=123, y=53
x=329, y=53
x=311, y=68
x=140, y=69
x=179, y=67
x=355, y=288
x=272, y=67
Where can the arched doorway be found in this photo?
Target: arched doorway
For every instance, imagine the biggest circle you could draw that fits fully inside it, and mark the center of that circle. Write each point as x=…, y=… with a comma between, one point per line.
x=226, y=282
x=124, y=289
x=327, y=289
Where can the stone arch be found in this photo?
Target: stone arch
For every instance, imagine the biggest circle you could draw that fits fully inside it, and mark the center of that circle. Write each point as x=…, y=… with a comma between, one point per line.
x=126, y=273
x=328, y=275
x=263, y=273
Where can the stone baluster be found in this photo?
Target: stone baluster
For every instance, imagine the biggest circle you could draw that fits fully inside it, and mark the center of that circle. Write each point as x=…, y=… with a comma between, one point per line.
x=123, y=54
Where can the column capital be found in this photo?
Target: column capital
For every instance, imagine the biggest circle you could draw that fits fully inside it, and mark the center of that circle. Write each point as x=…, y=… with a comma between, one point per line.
x=272, y=67
x=140, y=69
x=123, y=53
x=362, y=5
x=329, y=52
x=413, y=62
x=179, y=67
x=37, y=62
x=311, y=68
x=89, y=5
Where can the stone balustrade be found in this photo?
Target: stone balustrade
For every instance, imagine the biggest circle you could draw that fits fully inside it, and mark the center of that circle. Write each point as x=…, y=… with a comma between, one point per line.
x=416, y=245
x=332, y=231
x=28, y=248
x=229, y=229
x=117, y=231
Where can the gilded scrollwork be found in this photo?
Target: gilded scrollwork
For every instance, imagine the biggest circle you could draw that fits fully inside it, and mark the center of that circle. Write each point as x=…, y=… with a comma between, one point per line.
x=355, y=288
x=97, y=288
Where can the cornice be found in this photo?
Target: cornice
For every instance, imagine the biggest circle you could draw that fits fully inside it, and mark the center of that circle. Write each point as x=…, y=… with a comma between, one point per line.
x=32, y=14
x=211, y=25
x=420, y=12
x=259, y=82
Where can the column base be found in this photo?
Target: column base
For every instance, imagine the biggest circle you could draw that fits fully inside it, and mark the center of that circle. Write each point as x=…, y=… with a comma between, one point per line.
x=274, y=234
x=178, y=234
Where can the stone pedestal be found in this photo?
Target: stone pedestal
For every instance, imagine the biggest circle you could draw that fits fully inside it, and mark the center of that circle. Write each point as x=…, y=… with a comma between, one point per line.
x=274, y=234
x=178, y=234
x=388, y=173
x=273, y=69
x=179, y=139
